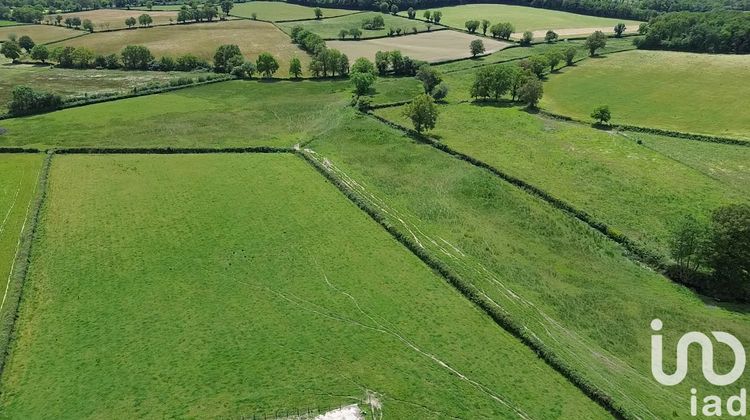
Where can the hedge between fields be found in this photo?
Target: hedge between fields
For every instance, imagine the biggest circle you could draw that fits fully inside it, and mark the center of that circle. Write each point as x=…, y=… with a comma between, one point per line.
x=386, y=36
x=470, y=292
x=169, y=150
x=17, y=278
x=634, y=250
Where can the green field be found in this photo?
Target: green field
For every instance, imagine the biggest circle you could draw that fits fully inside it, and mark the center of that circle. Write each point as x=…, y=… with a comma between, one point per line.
x=330, y=28
x=568, y=285
x=41, y=34
x=236, y=113
x=276, y=10
x=523, y=18
x=77, y=83
x=637, y=191
x=8, y=23
x=668, y=90
x=194, y=286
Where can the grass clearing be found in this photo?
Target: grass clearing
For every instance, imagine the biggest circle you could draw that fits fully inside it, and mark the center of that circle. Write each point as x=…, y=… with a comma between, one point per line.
x=201, y=39
x=9, y=23
x=635, y=190
x=75, y=83
x=235, y=113
x=225, y=285
x=104, y=19
x=277, y=10
x=330, y=28
x=524, y=18
x=41, y=34
x=427, y=46
x=567, y=284
x=668, y=90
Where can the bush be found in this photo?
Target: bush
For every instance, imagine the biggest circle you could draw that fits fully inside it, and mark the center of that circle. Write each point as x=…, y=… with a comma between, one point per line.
x=27, y=101
x=440, y=92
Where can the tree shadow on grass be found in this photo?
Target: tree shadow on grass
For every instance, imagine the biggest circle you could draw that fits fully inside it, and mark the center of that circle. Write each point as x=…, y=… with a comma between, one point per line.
x=491, y=103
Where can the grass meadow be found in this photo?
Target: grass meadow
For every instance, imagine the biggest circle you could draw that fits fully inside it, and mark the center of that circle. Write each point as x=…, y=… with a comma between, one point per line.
x=569, y=286
x=632, y=188
x=278, y=10
x=41, y=34
x=75, y=83
x=667, y=90
x=330, y=28
x=217, y=286
x=9, y=23
x=235, y=113
x=115, y=18
x=523, y=18
x=200, y=39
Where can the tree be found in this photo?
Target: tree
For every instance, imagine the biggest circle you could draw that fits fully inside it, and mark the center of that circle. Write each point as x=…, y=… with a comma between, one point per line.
x=58, y=19
x=427, y=15
x=382, y=62
x=226, y=6
x=26, y=101
x=394, y=9
x=554, y=57
x=149, y=5
x=492, y=82
x=88, y=25
x=570, y=55
x=527, y=37
x=472, y=25
x=10, y=49
x=130, y=22
x=222, y=56
x=536, y=64
x=422, y=112
x=429, y=77
x=439, y=92
x=619, y=29
x=485, y=26
x=210, y=12
x=601, y=114
x=686, y=246
x=502, y=30
x=362, y=82
x=266, y=64
x=531, y=92
x=476, y=47
x=436, y=16
x=411, y=13
x=355, y=33
x=40, y=52
x=76, y=22
x=728, y=249
x=26, y=43
x=596, y=41
x=343, y=33
x=363, y=65
x=136, y=57
x=82, y=57
x=295, y=68
x=318, y=13
x=550, y=36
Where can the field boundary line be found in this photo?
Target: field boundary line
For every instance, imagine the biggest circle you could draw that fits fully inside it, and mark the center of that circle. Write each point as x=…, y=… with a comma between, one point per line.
x=21, y=262
x=167, y=150
x=470, y=292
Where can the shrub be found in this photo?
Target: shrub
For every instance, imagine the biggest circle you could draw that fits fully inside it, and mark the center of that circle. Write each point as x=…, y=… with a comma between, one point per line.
x=26, y=101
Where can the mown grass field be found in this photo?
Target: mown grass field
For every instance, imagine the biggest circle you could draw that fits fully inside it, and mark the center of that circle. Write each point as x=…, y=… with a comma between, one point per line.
x=201, y=39
x=277, y=10
x=572, y=289
x=41, y=34
x=236, y=113
x=668, y=90
x=215, y=286
x=637, y=191
x=330, y=28
x=8, y=23
x=75, y=83
x=523, y=18
x=115, y=18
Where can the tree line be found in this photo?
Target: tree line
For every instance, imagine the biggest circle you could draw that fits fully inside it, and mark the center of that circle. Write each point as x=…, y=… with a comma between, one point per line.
x=712, y=32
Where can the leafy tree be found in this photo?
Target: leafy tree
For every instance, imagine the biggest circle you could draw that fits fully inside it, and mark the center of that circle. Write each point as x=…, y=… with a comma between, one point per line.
x=492, y=82
x=570, y=55
x=619, y=29
x=82, y=57
x=596, y=41
x=686, y=246
x=343, y=33
x=472, y=25
x=222, y=56
x=166, y=63
x=411, y=13
x=26, y=43
x=295, y=68
x=502, y=30
x=536, y=64
x=363, y=65
x=439, y=92
x=550, y=36
x=10, y=49
x=130, y=22
x=554, y=57
x=394, y=9
x=226, y=6
x=266, y=64
x=422, y=112
x=26, y=101
x=63, y=56
x=436, y=16
x=601, y=114
x=527, y=37
x=318, y=13
x=149, y=5
x=485, y=26
x=476, y=47
x=88, y=25
x=189, y=62
x=40, y=52
x=209, y=12
x=58, y=19
x=429, y=77
x=362, y=82
x=382, y=62
x=728, y=250
x=531, y=92
x=136, y=57
x=427, y=15
x=112, y=61
x=355, y=33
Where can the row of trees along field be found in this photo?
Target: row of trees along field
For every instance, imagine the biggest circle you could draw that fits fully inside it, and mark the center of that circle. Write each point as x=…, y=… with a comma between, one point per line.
x=713, y=32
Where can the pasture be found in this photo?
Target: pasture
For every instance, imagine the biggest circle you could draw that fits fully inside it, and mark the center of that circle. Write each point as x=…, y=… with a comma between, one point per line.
x=660, y=89
x=427, y=46
x=637, y=191
x=197, y=285
x=200, y=39
x=77, y=83
x=9, y=23
x=104, y=19
x=525, y=18
x=235, y=113
x=277, y=10
x=572, y=289
x=330, y=28
x=41, y=34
